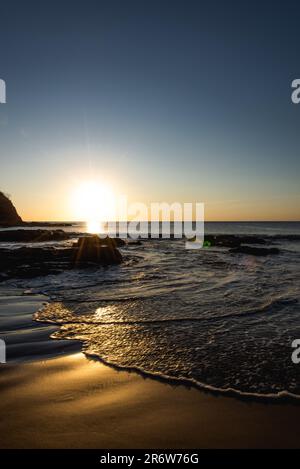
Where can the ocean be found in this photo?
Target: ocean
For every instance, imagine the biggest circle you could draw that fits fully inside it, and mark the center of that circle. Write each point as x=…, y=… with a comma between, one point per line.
x=220, y=321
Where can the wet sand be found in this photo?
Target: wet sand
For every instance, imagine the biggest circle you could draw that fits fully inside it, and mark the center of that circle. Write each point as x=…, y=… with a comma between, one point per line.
x=52, y=396
x=73, y=402
x=25, y=338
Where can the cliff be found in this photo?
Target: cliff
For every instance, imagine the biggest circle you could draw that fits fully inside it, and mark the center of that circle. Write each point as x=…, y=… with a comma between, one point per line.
x=8, y=214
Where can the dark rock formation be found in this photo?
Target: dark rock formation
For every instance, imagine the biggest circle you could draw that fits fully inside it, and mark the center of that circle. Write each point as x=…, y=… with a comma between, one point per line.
x=254, y=251
x=119, y=242
x=285, y=237
x=137, y=242
x=32, y=236
x=96, y=250
x=38, y=236
x=231, y=241
x=28, y=262
x=8, y=213
x=47, y=224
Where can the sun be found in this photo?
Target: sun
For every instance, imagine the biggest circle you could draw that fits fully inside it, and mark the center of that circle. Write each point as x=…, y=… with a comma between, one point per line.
x=94, y=203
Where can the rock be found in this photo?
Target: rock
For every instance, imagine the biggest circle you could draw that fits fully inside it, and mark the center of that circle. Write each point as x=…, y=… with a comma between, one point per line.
x=232, y=240
x=254, y=251
x=137, y=242
x=45, y=224
x=28, y=262
x=8, y=213
x=252, y=240
x=119, y=242
x=285, y=237
x=32, y=236
x=96, y=250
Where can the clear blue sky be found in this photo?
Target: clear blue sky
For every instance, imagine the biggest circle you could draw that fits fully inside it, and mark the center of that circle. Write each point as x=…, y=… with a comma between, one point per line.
x=165, y=100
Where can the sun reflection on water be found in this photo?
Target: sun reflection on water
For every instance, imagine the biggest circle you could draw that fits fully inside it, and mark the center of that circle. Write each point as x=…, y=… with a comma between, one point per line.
x=95, y=227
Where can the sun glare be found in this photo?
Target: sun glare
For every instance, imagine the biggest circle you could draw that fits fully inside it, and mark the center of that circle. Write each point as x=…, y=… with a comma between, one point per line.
x=94, y=203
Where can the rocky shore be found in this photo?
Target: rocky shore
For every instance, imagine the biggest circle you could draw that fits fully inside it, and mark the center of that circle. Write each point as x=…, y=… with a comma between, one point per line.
x=34, y=236
x=91, y=250
x=88, y=251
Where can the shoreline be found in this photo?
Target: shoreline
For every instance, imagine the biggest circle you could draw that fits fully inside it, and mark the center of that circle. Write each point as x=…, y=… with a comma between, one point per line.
x=61, y=398
x=283, y=397
x=52, y=395
x=74, y=402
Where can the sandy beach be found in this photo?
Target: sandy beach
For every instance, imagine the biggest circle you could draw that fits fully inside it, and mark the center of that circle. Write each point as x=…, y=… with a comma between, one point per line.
x=73, y=402
x=53, y=396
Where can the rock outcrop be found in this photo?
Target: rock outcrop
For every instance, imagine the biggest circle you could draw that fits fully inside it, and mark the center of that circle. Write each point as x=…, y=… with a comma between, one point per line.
x=34, y=236
x=28, y=262
x=254, y=251
x=8, y=214
x=96, y=250
x=232, y=241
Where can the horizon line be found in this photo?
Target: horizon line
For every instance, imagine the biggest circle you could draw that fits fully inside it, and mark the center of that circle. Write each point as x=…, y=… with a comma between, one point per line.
x=165, y=221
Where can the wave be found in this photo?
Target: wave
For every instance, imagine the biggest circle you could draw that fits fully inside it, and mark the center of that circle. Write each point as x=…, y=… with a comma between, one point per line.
x=191, y=382
x=272, y=306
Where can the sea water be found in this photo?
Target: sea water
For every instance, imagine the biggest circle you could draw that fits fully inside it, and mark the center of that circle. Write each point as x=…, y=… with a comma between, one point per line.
x=209, y=318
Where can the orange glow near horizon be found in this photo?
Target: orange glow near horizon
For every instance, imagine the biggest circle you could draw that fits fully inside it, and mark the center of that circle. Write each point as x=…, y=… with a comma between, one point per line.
x=93, y=201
